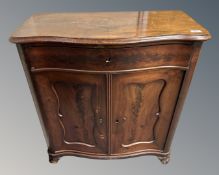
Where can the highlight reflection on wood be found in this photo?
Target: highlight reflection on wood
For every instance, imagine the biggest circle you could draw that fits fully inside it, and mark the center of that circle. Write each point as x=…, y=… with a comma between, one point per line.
x=109, y=84
x=110, y=27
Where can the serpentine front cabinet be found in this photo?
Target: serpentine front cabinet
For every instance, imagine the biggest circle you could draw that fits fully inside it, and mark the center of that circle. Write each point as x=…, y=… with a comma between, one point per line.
x=109, y=84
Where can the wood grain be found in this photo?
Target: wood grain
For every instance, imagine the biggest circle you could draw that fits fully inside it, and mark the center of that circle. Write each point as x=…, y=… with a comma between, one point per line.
x=113, y=92
x=143, y=105
x=110, y=27
x=111, y=59
x=75, y=109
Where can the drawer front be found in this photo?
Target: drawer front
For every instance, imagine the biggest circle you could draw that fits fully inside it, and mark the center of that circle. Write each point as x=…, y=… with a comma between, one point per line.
x=114, y=59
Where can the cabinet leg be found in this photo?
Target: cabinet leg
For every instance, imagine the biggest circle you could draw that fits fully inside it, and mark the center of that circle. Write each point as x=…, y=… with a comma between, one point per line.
x=165, y=159
x=53, y=159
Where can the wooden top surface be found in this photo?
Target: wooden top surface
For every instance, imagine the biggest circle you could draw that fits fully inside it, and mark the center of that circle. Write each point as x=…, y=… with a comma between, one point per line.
x=109, y=27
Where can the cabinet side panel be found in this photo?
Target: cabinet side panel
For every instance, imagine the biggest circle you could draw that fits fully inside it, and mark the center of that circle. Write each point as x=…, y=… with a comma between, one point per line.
x=183, y=93
x=32, y=89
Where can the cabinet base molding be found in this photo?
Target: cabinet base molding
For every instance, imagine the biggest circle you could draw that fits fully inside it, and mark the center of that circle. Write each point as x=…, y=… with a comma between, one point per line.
x=54, y=157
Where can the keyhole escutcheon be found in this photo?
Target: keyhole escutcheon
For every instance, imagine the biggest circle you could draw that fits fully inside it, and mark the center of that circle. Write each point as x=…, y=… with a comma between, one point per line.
x=108, y=60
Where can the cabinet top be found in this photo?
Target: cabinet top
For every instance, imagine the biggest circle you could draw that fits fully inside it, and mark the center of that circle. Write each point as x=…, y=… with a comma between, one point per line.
x=110, y=27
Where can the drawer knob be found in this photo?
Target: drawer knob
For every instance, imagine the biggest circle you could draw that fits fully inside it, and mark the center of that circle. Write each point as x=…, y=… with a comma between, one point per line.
x=108, y=60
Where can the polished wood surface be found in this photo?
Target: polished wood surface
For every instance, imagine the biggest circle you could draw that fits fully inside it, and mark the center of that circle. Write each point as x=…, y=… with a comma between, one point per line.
x=143, y=105
x=76, y=109
x=110, y=27
x=107, y=95
x=49, y=56
x=116, y=109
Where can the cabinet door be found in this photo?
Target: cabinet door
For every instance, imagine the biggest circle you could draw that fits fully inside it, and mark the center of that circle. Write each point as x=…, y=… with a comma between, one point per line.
x=143, y=106
x=73, y=110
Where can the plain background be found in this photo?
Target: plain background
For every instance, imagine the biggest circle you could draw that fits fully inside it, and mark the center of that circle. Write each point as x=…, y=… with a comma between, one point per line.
x=22, y=146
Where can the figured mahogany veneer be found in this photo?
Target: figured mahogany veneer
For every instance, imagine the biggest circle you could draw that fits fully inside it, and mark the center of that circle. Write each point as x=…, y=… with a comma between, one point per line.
x=109, y=84
x=108, y=59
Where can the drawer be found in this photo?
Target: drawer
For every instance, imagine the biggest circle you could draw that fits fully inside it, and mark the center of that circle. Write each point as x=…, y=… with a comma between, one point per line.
x=108, y=59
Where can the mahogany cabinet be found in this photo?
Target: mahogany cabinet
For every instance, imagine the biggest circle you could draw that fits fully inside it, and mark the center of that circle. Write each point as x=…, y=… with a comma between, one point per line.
x=109, y=84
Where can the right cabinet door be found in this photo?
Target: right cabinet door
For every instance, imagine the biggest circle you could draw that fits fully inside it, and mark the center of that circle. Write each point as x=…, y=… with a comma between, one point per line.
x=142, y=110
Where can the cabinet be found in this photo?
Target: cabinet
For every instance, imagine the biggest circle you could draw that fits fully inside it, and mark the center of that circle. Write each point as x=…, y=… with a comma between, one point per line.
x=115, y=92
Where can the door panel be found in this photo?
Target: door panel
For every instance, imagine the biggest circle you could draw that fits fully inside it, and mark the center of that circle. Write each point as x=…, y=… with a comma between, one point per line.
x=74, y=106
x=143, y=104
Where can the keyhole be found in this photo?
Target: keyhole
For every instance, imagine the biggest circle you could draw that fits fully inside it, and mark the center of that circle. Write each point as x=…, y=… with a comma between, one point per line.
x=108, y=60
x=117, y=121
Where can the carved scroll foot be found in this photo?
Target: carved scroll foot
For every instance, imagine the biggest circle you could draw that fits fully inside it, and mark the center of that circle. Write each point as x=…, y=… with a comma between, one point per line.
x=53, y=159
x=165, y=160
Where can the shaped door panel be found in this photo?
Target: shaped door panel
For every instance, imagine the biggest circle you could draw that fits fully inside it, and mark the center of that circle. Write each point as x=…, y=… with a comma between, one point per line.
x=74, y=110
x=143, y=105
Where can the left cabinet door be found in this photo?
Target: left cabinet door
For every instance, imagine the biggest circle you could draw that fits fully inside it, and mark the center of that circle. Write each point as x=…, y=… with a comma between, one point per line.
x=73, y=107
